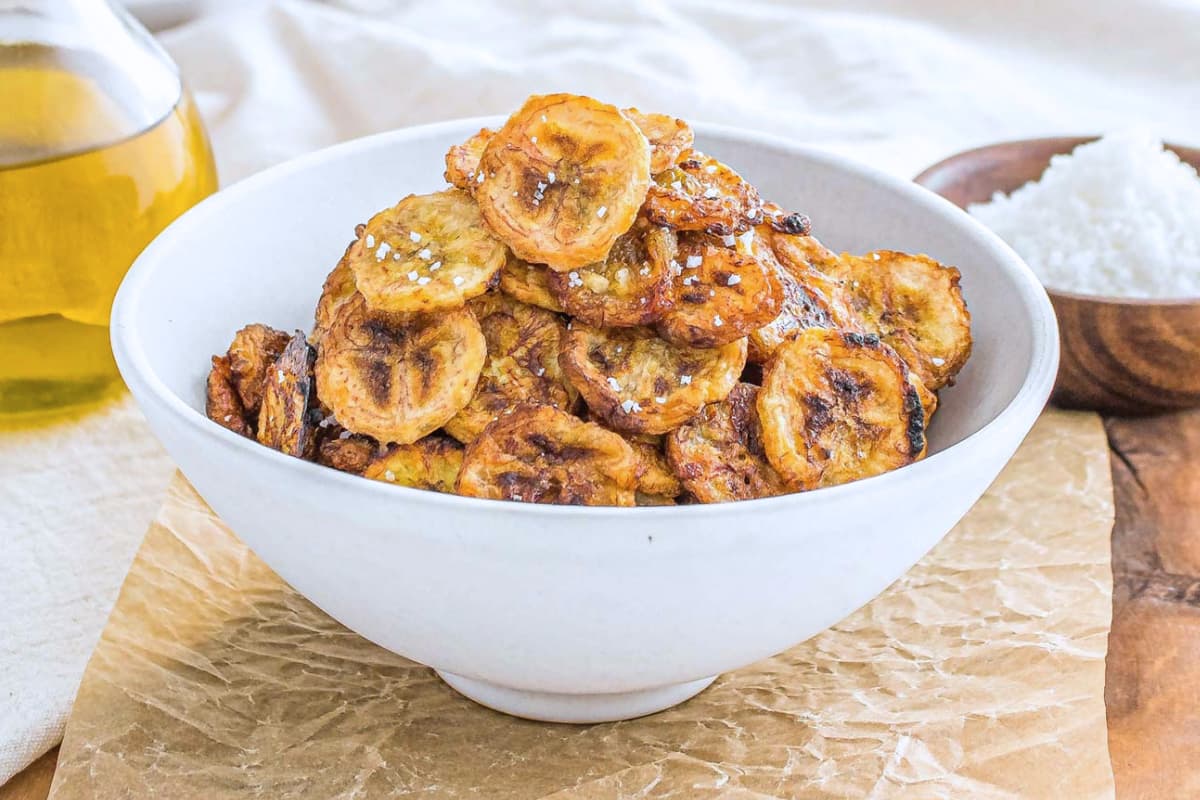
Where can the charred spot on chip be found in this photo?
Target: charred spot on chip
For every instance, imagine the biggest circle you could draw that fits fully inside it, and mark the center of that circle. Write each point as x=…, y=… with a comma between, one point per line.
x=861, y=339
x=794, y=223
x=916, y=421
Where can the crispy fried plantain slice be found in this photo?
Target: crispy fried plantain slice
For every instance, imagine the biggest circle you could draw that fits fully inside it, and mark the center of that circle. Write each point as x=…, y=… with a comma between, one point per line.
x=915, y=305
x=836, y=407
x=639, y=383
x=427, y=253
x=718, y=455
x=285, y=421
x=462, y=160
x=538, y=454
x=430, y=463
x=721, y=294
x=338, y=288
x=251, y=354
x=397, y=378
x=632, y=286
x=523, y=343
x=529, y=283
x=222, y=403
x=700, y=193
x=669, y=137
x=346, y=451
x=563, y=179
x=657, y=476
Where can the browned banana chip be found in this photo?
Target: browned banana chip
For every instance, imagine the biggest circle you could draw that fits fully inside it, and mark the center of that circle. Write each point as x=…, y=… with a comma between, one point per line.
x=915, y=305
x=523, y=343
x=805, y=305
x=346, y=451
x=427, y=253
x=639, y=383
x=285, y=421
x=700, y=193
x=657, y=477
x=819, y=268
x=338, y=288
x=721, y=294
x=563, y=179
x=669, y=137
x=222, y=403
x=430, y=463
x=251, y=354
x=529, y=283
x=836, y=407
x=397, y=378
x=462, y=160
x=632, y=286
x=538, y=454
x=719, y=455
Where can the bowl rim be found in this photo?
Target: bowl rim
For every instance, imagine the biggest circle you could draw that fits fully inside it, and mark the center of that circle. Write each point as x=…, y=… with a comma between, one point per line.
x=1188, y=153
x=1021, y=411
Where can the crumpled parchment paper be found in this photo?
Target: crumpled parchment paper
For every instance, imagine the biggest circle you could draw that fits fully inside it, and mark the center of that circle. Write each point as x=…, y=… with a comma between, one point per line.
x=979, y=674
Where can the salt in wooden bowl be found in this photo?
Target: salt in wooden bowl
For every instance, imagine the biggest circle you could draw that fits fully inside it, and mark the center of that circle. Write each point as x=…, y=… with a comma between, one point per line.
x=1119, y=355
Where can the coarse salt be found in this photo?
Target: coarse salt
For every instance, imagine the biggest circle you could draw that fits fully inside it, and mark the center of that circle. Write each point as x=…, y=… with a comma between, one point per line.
x=694, y=261
x=601, y=211
x=414, y=236
x=1119, y=216
x=612, y=382
x=425, y=253
x=413, y=275
x=734, y=280
x=685, y=380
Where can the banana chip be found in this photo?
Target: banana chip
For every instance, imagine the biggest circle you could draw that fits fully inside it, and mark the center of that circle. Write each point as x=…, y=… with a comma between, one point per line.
x=631, y=287
x=808, y=302
x=222, y=403
x=427, y=253
x=563, y=179
x=338, y=288
x=721, y=294
x=639, y=383
x=836, y=407
x=285, y=421
x=669, y=137
x=719, y=454
x=253, y=350
x=523, y=344
x=462, y=160
x=700, y=193
x=916, y=306
x=529, y=283
x=346, y=451
x=658, y=479
x=430, y=463
x=397, y=378
x=538, y=454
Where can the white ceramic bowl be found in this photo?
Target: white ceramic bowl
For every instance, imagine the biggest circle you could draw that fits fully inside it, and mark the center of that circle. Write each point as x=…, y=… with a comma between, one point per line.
x=554, y=612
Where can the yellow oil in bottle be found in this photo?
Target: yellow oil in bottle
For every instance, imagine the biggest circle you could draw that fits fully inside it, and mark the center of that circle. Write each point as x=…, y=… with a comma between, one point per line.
x=83, y=188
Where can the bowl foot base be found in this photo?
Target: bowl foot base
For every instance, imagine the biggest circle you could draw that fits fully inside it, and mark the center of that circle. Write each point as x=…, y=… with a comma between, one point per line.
x=577, y=708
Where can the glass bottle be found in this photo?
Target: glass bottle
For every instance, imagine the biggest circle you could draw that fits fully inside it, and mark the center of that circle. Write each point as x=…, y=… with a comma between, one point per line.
x=100, y=148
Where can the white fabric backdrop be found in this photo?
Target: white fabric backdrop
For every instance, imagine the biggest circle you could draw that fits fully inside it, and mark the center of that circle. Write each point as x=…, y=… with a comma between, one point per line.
x=898, y=84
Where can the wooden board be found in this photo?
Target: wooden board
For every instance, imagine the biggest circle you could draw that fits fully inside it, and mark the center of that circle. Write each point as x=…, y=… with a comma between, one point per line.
x=1153, y=690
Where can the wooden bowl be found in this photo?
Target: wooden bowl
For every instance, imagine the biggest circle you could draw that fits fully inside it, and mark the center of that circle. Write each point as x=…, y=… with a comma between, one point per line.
x=1119, y=355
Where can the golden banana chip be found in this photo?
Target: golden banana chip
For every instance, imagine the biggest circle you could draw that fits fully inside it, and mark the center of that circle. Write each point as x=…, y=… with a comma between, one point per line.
x=563, y=179
x=462, y=160
x=427, y=253
x=529, y=283
x=639, y=383
x=836, y=407
x=430, y=463
x=251, y=354
x=338, y=288
x=632, y=286
x=538, y=454
x=397, y=378
x=285, y=421
x=523, y=344
x=915, y=305
x=721, y=294
x=719, y=454
x=669, y=137
x=700, y=193
x=222, y=403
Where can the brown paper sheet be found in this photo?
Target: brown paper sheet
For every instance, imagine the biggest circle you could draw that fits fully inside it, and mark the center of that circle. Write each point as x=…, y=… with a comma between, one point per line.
x=979, y=674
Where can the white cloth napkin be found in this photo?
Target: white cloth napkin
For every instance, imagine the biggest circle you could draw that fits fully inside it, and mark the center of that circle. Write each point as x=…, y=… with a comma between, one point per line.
x=899, y=84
